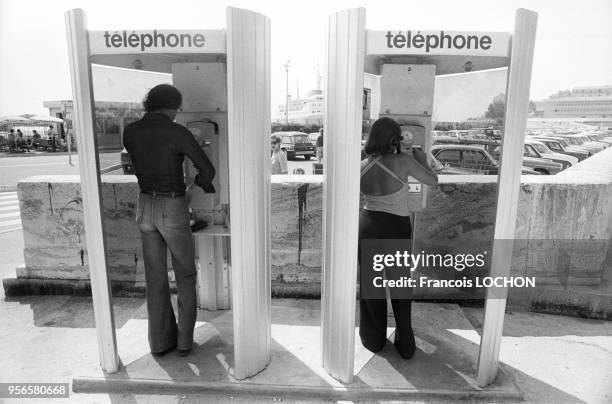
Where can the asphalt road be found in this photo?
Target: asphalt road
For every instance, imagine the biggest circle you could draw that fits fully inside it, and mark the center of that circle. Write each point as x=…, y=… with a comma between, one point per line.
x=15, y=168
x=299, y=162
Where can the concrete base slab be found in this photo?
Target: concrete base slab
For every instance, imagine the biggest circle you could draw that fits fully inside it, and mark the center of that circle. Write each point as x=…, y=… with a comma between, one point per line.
x=19, y=284
x=443, y=368
x=580, y=301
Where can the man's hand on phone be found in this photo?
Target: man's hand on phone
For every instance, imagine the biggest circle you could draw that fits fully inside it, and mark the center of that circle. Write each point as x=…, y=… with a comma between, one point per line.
x=207, y=186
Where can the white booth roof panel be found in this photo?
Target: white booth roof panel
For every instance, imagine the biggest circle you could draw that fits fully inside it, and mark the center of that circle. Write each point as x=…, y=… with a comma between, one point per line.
x=444, y=64
x=159, y=62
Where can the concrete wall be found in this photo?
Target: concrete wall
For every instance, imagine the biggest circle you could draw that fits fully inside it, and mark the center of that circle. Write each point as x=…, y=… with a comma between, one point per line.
x=574, y=205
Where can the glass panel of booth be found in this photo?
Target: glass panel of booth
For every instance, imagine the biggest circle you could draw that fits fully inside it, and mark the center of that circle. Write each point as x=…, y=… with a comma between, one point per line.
x=194, y=61
x=435, y=81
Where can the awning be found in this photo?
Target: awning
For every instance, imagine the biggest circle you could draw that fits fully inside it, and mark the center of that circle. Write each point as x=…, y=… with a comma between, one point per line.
x=44, y=118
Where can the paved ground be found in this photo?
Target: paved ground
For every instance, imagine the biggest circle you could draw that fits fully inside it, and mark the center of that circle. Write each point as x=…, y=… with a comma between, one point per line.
x=15, y=167
x=554, y=359
x=9, y=212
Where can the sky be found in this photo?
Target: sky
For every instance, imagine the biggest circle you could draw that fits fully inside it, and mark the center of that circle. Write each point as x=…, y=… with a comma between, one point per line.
x=573, y=43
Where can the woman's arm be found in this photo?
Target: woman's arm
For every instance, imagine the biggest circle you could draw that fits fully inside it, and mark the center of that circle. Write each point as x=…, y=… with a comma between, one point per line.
x=418, y=167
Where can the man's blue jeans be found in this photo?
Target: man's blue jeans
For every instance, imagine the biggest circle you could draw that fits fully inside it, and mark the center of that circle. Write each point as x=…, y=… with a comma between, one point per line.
x=164, y=223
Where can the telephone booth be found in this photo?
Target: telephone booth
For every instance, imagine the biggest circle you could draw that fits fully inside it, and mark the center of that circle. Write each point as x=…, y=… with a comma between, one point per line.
x=393, y=72
x=224, y=77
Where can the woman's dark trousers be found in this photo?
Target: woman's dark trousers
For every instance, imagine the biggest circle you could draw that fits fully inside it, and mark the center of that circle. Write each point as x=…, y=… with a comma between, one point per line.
x=373, y=312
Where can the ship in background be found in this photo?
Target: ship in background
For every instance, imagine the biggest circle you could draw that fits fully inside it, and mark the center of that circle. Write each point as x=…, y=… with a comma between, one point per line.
x=307, y=111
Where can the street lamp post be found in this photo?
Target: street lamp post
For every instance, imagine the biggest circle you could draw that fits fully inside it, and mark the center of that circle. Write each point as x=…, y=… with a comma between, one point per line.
x=286, y=65
x=68, y=136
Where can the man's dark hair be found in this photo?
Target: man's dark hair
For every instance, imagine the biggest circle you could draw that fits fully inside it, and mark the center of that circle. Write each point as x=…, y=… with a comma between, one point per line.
x=384, y=136
x=163, y=96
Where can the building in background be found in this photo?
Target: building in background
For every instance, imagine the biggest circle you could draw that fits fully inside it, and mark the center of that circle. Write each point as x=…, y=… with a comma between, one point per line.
x=118, y=101
x=582, y=102
x=110, y=119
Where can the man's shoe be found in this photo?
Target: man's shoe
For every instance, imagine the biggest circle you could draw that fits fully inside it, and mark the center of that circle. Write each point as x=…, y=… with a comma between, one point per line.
x=162, y=353
x=184, y=352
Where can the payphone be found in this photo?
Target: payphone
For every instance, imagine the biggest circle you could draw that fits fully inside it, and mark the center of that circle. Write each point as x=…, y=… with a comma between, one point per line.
x=404, y=92
x=204, y=113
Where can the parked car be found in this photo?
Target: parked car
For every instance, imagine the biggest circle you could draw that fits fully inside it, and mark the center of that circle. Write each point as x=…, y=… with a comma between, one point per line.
x=472, y=158
x=544, y=152
x=579, y=141
x=443, y=137
x=529, y=171
x=440, y=168
x=594, y=138
x=126, y=162
x=296, y=144
x=603, y=136
x=569, y=146
x=557, y=147
x=534, y=161
x=493, y=133
x=313, y=139
x=588, y=137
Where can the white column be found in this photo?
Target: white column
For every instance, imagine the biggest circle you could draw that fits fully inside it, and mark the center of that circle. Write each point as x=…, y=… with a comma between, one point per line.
x=83, y=121
x=344, y=77
x=248, y=79
x=508, y=187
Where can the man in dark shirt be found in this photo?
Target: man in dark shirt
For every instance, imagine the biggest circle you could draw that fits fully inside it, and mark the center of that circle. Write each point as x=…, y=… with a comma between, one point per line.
x=158, y=146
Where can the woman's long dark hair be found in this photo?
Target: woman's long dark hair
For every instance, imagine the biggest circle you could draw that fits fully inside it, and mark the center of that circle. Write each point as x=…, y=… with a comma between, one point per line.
x=384, y=138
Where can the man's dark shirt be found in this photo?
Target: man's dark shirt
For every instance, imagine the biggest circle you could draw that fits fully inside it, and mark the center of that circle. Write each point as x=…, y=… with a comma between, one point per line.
x=158, y=148
x=319, y=141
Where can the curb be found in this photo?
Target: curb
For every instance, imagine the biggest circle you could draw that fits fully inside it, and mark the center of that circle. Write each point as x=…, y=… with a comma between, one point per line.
x=16, y=286
x=153, y=386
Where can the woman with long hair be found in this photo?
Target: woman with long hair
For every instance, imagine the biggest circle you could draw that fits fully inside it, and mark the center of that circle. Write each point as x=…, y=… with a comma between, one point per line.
x=385, y=215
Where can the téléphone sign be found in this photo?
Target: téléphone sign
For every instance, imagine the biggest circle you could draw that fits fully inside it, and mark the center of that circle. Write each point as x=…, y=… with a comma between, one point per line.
x=156, y=41
x=437, y=43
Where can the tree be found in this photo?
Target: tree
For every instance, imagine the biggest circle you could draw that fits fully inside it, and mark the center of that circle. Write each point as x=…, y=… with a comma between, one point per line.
x=496, y=111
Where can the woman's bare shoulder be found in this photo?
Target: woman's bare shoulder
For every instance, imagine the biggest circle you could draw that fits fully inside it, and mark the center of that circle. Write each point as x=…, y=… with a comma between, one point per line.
x=365, y=161
x=405, y=158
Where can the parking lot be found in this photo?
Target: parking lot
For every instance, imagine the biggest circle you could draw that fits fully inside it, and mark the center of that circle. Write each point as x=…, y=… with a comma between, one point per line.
x=546, y=152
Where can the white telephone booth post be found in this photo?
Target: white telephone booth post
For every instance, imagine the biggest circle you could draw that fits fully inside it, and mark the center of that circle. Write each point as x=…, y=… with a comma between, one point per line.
x=224, y=76
x=399, y=67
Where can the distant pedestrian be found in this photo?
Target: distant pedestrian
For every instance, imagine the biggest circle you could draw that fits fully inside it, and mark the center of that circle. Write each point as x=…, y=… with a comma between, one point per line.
x=279, y=158
x=35, y=139
x=319, y=145
x=51, y=135
x=11, y=140
x=20, y=141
